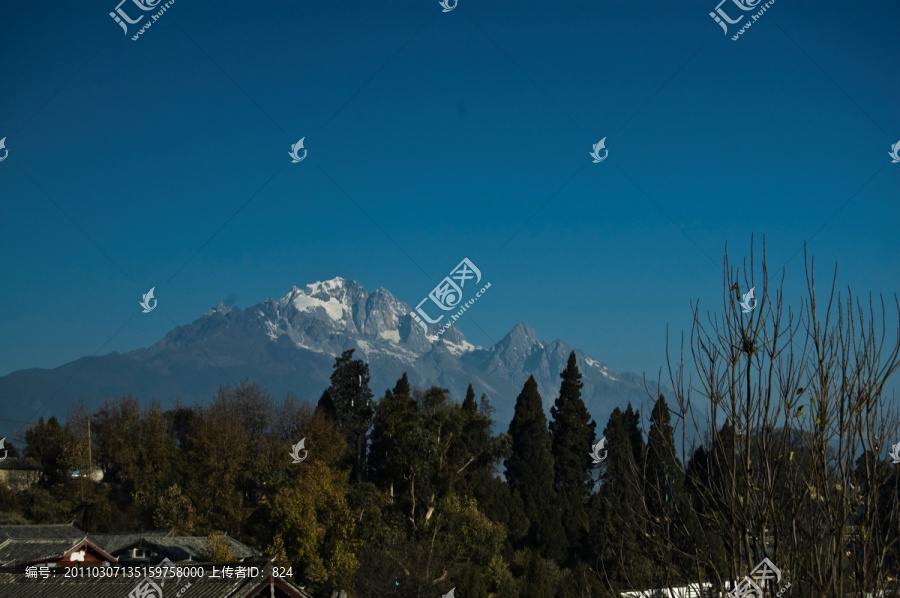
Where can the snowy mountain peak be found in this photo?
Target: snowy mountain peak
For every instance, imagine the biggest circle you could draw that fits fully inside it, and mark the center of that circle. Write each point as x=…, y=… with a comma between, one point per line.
x=329, y=305
x=331, y=316
x=289, y=345
x=328, y=287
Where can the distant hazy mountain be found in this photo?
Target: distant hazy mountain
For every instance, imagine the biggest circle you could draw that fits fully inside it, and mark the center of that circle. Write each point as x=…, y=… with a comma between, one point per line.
x=289, y=345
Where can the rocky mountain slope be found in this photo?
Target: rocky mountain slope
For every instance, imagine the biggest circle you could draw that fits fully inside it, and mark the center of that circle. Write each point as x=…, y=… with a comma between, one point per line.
x=289, y=345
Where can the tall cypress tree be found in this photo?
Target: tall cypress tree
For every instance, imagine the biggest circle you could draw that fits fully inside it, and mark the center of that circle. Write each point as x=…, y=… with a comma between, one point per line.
x=477, y=449
x=348, y=402
x=671, y=519
x=572, y=434
x=635, y=434
x=402, y=387
x=618, y=528
x=529, y=472
x=469, y=405
x=326, y=406
x=386, y=459
x=662, y=464
x=708, y=484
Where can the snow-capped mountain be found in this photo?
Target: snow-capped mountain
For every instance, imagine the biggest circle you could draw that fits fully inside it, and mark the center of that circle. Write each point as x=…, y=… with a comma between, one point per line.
x=289, y=345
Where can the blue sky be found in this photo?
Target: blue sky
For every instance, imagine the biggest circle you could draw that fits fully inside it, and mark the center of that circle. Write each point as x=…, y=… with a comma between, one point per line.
x=433, y=137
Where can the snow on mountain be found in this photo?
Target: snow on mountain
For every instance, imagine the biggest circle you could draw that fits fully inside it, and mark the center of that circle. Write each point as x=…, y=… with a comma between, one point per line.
x=289, y=345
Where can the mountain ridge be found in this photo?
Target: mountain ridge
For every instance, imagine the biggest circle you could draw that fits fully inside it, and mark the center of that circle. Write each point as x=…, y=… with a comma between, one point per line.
x=288, y=345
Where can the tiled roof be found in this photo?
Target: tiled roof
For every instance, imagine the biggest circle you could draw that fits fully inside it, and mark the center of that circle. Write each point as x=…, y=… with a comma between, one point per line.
x=16, y=585
x=177, y=548
x=24, y=551
x=34, y=538
x=41, y=532
x=17, y=551
x=114, y=542
x=194, y=547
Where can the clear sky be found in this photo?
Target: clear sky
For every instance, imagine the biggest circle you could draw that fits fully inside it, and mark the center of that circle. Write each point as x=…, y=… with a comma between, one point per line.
x=432, y=137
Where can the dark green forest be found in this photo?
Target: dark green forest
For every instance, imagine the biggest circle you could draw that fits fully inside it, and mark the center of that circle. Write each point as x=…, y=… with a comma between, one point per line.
x=412, y=494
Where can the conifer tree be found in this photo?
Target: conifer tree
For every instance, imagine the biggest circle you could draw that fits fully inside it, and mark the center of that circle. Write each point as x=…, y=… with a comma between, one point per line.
x=572, y=434
x=662, y=464
x=348, y=402
x=709, y=484
x=529, y=472
x=671, y=521
x=469, y=403
x=380, y=442
x=326, y=406
x=394, y=410
x=477, y=449
x=618, y=528
x=635, y=434
x=402, y=387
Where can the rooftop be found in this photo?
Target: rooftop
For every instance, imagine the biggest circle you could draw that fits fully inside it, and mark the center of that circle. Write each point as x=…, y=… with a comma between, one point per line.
x=26, y=543
x=62, y=531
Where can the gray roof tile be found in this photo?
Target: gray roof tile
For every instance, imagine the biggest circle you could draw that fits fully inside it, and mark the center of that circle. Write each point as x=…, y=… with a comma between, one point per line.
x=23, y=551
x=27, y=543
x=117, y=541
x=41, y=532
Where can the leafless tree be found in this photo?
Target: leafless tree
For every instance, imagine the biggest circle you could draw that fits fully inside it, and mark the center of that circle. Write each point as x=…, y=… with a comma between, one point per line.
x=791, y=402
